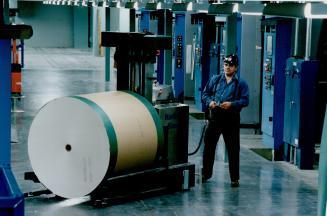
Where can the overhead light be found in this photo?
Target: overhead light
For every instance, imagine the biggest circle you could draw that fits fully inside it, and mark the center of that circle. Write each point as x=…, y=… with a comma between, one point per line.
x=84, y=3
x=189, y=6
x=76, y=2
x=159, y=6
x=235, y=8
x=315, y=11
x=105, y=4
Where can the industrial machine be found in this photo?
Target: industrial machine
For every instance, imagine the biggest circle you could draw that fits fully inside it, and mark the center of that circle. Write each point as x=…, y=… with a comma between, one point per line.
x=163, y=18
x=140, y=148
x=138, y=50
x=117, y=19
x=16, y=79
x=158, y=21
x=162, y=93
x=295, y=78
x=183, y=77
x=303, y=112
x=145, y=24
x=206, y=47
x=299, y=112
x=11, y=198
x=276, y=50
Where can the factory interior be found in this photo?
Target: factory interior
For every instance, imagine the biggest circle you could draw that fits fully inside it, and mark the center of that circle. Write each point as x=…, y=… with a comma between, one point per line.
x=101, y=109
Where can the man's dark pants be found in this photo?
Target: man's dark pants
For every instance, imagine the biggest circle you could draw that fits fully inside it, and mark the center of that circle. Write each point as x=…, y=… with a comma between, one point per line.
x=227, y=123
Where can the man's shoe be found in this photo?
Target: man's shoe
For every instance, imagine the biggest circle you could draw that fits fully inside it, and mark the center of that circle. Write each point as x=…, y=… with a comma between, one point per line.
x=205, y=178
x=234, y=184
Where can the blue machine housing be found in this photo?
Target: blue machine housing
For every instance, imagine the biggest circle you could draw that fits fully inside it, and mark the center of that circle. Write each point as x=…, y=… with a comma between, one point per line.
x=144, y=25
x=300, y=110
x=179, y=54
x=277, y=48
x=11, y=198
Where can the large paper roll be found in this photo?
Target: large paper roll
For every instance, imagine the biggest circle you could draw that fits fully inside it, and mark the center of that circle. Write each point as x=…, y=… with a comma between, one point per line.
x=75, y=142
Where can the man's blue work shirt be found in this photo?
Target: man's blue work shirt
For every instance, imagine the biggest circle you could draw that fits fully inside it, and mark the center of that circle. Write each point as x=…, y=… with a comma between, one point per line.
x=218, y=90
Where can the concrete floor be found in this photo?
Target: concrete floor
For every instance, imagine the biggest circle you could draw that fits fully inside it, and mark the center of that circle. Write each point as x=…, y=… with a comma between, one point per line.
x=266, y=188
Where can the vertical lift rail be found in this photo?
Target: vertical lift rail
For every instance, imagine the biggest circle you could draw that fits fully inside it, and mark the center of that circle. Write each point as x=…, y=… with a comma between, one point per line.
x=322, y=179
x=11, y=198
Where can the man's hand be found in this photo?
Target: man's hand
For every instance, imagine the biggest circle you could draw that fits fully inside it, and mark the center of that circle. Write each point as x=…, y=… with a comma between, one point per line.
x=226, y=105
x=212, y=104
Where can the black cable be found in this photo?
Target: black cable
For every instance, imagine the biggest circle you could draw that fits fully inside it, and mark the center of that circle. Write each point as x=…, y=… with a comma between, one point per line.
x=200, y=141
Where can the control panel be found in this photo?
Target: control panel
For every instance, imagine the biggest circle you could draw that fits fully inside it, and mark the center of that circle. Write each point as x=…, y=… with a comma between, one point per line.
x=179, y=51
x=268, y=75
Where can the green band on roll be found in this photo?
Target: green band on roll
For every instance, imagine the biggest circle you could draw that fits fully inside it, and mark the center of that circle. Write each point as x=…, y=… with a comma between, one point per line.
x=110, y=131
x=156, y=119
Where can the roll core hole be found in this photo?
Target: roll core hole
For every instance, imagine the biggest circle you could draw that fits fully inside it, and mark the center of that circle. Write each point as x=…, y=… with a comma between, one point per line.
x=68, y=147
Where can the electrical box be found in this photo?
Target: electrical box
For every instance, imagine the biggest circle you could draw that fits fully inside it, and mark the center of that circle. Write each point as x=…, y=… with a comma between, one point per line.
x=174, y=118
x=299, y=113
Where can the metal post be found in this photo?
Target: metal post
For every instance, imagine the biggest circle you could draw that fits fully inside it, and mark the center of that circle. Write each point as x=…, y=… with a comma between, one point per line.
x=95, y=32
x=22, y=52
x=296, y=37
x=308, y=39
x=322, y=179
x=107, y=49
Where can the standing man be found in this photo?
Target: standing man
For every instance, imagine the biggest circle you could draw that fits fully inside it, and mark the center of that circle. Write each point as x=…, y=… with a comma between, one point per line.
x=224, y=95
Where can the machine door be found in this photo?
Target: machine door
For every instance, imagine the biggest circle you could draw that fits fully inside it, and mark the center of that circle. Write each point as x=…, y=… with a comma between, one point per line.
x=292, y=102
x=295, y=103
x=268, y=83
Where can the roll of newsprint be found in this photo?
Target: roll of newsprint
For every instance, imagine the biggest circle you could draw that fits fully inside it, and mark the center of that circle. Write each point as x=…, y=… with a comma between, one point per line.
x=75, y=142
